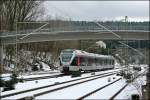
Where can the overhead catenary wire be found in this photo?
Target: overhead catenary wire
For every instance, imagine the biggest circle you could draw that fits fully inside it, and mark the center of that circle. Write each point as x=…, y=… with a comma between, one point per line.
x=34, y=31
x=120, y=38
x=107, y=29
x=23, y=38
x=133, y=49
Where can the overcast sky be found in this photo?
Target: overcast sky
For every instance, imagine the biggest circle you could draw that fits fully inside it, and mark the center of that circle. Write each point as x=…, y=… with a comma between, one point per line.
x=98, y=10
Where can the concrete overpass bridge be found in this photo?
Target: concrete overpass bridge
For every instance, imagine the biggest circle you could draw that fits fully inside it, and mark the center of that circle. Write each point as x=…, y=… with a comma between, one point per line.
x=73, y=30
x=75, y=35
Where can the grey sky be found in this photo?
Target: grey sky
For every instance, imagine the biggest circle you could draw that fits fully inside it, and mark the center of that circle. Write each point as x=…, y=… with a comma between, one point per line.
x=98, y=10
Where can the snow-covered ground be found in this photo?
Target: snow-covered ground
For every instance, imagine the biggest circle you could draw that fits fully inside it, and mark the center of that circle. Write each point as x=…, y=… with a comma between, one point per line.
x=32, y=74
x=43, y=82
x=108, y=91
x=133, y=88
x=79, y=90
x=5, y=75
x=36, y=76
x=54, y=87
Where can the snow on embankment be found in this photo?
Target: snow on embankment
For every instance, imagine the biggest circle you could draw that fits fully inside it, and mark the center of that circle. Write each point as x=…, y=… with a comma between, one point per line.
x=45, y=67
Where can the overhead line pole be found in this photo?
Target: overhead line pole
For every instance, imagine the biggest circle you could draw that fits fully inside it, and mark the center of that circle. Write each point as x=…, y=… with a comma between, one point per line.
x=23, y=38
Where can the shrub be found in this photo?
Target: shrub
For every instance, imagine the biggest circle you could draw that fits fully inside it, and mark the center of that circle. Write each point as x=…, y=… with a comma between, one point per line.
x=2, y=82
x=35, y=68
x=9, y=85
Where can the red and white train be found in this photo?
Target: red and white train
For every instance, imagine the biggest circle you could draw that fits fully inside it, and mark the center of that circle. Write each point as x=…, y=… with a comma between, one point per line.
x=78, y=60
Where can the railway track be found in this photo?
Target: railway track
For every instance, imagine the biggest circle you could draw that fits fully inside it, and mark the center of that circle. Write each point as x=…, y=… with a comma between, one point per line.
x=121, y=89
x=109, y=84
x=40, y=90
x=39, y=73
x=53, y=76
x=43, y=77
x=56, y=74
x=96, y=90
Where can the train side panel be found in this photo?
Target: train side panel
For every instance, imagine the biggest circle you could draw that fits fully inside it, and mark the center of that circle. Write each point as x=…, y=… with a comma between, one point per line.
x=86, y=61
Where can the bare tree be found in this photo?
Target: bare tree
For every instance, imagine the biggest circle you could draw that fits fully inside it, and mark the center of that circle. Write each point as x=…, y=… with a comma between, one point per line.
x=19, y=10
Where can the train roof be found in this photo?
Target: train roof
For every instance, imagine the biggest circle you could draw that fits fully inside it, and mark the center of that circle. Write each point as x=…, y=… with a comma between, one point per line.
x=80, y=52
x=84, y=53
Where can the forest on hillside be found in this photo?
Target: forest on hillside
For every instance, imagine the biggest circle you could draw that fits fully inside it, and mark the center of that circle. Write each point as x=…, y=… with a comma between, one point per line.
x=30, y=54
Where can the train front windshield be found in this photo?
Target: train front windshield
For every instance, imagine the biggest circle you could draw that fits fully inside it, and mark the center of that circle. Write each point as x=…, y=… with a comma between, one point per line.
x=66, y=57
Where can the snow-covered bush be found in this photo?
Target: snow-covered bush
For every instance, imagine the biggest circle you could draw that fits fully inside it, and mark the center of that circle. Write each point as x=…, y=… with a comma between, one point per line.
x=9, y=84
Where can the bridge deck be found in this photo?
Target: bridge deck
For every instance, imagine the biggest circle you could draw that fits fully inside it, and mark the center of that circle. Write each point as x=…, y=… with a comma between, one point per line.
x=76, y=35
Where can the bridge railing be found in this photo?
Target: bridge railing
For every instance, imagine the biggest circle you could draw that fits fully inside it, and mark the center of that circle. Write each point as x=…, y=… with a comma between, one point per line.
x=80, y=27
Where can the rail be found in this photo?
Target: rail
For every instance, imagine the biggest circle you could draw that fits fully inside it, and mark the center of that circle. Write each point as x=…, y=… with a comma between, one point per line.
x=120, y=90
x=43, y=87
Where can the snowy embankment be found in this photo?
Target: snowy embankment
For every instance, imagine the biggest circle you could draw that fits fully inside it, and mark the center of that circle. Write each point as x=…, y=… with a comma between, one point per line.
x=41, y=75
x=52, y=88
x=133, y=88
x=43, y=82
x=76, y=91
x=107, y=92
x=46, y=71
x=32, y=74
x=5, y=75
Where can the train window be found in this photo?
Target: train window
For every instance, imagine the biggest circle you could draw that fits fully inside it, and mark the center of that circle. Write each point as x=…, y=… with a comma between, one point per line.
x=102, y=62
x=90, y=61
x=107, y=61
x=83, y=61
x=74, y=61
x=112, y=62
x=96, y=61
x=67, y=51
